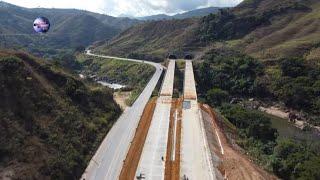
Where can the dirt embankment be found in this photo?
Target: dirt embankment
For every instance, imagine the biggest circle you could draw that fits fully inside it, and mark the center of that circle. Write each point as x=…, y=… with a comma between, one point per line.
x=234, y=165
x=120, y=98
x=132, y=160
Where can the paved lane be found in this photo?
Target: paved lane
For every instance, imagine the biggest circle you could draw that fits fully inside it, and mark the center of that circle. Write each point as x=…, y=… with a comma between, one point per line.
x=108, y=160
x=195, y=155
x=152, y=161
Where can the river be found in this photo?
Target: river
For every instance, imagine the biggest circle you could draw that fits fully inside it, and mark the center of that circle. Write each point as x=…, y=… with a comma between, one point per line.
x=111, y=85
x=288, y=130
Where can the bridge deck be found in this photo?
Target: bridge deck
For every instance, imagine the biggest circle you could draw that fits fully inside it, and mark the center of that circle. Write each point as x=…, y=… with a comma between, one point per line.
x=195, y=155
x=152, y=160
x=167, y=86
x=190, y=91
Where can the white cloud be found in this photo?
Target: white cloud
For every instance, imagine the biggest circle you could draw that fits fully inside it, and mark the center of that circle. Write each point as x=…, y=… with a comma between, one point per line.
x=127, y=7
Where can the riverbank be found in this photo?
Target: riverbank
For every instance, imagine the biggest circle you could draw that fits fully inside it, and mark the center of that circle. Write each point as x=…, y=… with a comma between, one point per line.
x=285, y=114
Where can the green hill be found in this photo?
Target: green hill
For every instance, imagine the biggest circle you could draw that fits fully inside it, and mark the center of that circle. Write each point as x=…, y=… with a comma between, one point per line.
x=153, y=40
x=51, y=122
x=294, y=32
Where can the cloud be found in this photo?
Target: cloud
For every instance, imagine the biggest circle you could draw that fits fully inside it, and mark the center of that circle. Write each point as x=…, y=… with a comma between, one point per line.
x=128, y=7
x=149, y=7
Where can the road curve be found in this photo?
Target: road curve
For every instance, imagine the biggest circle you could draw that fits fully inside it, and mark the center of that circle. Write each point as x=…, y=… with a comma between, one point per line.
x=108, y=160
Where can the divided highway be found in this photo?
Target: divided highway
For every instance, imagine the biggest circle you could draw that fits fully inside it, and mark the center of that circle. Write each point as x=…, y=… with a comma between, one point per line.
x=107, y=162
x=196, y=161
x=152, y=160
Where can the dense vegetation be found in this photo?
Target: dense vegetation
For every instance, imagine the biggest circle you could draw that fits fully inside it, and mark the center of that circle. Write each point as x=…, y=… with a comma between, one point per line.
x=298, y=86
x=230, y=71
x=288, y=159
x=226, y=25
x=226, y=73
x=51, y=123
x=134, y=75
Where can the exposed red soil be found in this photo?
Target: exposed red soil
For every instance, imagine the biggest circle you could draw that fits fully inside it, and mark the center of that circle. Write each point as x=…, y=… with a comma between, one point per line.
x=172, y=168
x=132, y=159
x=235, y=165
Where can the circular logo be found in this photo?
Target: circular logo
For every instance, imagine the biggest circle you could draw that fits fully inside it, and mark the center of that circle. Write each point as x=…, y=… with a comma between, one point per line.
x=41, y=25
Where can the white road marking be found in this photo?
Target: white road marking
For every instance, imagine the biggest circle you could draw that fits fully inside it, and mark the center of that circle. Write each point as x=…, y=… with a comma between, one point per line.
x=108, y=159
x=155, y=147
x=196, y=161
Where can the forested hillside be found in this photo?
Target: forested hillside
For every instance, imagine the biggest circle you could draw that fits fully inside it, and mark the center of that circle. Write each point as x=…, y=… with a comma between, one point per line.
x=51, y=122
x=153, y=40
x=265, y=29
x=268, y=29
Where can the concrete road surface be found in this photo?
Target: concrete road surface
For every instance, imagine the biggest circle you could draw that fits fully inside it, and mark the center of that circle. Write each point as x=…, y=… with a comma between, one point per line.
x=196, y=161
x=107, y=162
x=152, y=160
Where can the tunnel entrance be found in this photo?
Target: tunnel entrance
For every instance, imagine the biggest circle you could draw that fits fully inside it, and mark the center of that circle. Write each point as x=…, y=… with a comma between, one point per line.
x=172, y=56
x=188, y=56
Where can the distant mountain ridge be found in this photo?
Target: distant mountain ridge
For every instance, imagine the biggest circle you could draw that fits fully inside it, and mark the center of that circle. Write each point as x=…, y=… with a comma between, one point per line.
x=189, y=14
x=70, y=28
x=115, y=22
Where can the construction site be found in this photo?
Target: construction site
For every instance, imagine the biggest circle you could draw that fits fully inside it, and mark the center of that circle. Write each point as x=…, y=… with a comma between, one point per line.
x=174, y=138
x=170, y=141
x=179, y=138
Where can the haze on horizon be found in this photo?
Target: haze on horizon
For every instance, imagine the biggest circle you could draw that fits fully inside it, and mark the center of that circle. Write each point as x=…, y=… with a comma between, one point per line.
x=130, y=8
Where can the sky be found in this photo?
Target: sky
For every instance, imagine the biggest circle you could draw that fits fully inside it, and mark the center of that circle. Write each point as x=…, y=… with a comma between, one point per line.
x=131, y=8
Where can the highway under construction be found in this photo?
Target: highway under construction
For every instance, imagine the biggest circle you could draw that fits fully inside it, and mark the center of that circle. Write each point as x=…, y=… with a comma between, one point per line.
x=175, y=146
x=168, y=141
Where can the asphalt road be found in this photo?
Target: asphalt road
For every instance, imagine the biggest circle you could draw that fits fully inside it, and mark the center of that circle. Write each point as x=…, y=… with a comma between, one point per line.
x=108, y=160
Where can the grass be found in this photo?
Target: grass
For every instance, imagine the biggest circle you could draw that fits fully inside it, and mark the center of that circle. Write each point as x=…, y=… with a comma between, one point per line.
x=273, y=71
x=292, y=34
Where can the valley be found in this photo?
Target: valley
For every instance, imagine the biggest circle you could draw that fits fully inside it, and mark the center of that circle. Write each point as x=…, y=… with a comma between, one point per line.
x=203, y=93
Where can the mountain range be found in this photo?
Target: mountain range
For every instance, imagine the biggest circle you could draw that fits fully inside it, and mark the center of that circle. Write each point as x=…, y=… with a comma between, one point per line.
x=189, y=14
x=69, y=28
x=265, y=29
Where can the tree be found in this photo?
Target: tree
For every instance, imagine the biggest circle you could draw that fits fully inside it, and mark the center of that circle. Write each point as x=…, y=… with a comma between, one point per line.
x=293, y=160
x=217, y=96
x=308, y=169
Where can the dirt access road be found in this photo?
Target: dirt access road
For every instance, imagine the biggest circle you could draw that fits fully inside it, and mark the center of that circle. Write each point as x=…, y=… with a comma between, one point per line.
x=132, y=160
